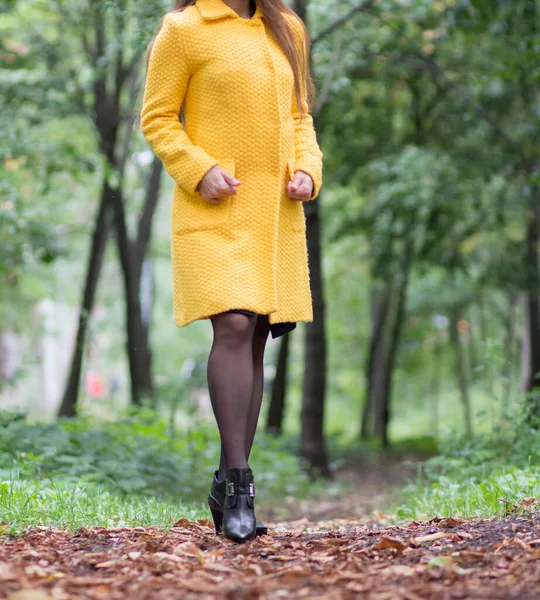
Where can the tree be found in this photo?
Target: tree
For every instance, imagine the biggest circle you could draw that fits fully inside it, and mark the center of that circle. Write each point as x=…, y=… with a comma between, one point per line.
x=112, y=53
x=314, y=388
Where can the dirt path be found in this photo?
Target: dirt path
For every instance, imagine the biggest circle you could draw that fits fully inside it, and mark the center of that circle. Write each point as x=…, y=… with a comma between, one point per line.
x=442, y=559
x=370, y=483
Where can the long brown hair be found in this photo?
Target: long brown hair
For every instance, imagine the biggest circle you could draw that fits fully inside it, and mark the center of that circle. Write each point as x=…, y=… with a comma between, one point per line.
x=272, y=11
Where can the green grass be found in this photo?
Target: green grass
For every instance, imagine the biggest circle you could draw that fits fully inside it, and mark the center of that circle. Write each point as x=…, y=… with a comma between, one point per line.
x=483, y=477
x=497, y=494
x=26, y=504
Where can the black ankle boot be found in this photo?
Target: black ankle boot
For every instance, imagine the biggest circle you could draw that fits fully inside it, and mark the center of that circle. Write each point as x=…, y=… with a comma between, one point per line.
x=238, y=515
x=216, y=502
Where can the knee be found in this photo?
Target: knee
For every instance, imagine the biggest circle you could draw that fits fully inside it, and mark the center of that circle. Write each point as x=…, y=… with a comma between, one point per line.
x=233, y=330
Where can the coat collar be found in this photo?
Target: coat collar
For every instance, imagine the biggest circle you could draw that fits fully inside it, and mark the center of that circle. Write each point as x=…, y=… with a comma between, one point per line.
x=217, y=9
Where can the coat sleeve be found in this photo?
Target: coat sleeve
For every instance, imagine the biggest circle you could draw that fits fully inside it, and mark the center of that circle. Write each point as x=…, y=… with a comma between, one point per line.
x=308, y=154
x=166, y=83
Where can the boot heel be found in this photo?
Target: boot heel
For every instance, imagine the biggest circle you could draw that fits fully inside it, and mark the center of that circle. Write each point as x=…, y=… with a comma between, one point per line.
x=217, y=516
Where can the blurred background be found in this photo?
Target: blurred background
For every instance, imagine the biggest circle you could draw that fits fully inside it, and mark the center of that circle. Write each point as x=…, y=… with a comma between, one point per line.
x=420, y=367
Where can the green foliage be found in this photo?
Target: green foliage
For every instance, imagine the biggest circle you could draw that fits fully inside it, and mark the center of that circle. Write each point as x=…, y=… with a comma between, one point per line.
x=136, y=456
x=476, y=478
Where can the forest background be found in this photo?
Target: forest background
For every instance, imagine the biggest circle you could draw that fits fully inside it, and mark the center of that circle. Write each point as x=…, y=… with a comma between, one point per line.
x=424, y=254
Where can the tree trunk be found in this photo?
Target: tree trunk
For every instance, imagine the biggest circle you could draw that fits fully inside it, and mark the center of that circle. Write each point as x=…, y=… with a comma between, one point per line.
x=300, y=8
x=475, y=361
x=461, y=372
x=510, y=345
x=135, y=336
x=380, y=304
x=276, y=410
x=382, y=413
x=143, y=278
x=533, y=306
x=525, y=375
x=145, y=284
x=435, y=386
x=93, y=270
x=312, y=442
x=482, y=321
x=378, y=385
x=533, y=294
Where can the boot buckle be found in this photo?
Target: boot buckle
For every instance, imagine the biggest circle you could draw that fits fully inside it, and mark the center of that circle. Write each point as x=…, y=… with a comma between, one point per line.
x=231, y=489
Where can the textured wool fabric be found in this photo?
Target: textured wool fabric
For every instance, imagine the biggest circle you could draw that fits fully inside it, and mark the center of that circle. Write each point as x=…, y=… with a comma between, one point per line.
x=237, y=89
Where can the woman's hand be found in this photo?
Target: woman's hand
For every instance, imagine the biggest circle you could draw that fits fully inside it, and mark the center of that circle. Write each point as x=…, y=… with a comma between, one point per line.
x=301, y=187
x=217, y=184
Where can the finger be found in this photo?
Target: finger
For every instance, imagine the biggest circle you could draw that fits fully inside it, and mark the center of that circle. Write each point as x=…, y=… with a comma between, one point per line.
x=230, y=180
x=225, y=190
x=299, y=181
x=294, y=183
x=292, y=194
x=306, y=188
x=303, y=193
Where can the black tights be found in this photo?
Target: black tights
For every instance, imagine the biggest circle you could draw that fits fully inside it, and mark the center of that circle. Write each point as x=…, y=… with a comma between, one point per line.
x=235, y=382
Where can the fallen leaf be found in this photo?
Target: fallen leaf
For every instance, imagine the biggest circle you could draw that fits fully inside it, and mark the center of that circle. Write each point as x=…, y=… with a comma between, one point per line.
x=206, y=523
x=187, y=548
x=183, y=522
x=431, y=538
x=198, y=585
x=256, y=569
x=29, y=595
x=449, y=523
x=385, y=543
x=7, y=573
x=221, y=568
x=36, y=571
x=134, y=555
x=58, y=575
x=300, y=522
x=471, y=556
x=401, y=570
x=107, y=564
x=91, y=581
x=519, y=542
x=167, y=556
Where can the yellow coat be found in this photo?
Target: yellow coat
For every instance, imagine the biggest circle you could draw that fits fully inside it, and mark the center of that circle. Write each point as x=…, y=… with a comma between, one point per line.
x=237, y=89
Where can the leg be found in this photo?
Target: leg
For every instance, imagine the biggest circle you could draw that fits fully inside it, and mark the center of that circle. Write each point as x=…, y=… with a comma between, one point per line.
x=230, y=382
x=260, y=338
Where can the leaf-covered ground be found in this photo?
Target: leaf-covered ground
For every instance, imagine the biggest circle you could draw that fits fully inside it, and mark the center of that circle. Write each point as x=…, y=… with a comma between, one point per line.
x=442, y=559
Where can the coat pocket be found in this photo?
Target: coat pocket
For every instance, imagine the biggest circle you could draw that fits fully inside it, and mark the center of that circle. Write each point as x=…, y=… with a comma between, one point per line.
x=191, y=212
x=296, y=207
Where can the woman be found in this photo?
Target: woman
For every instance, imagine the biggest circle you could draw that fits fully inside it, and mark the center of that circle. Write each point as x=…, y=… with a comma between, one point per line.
x=244, y=160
